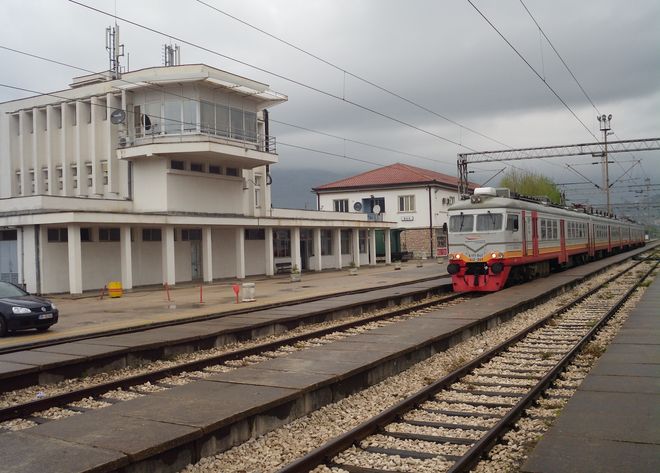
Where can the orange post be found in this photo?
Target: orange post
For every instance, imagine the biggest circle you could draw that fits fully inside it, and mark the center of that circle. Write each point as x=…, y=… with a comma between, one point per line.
x=102, y=292
x=236, y=289
x=201, y=294
x=167, y=291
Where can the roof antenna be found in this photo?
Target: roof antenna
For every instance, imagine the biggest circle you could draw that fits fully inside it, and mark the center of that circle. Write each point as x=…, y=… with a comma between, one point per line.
x=171, y=55
x=115, y=50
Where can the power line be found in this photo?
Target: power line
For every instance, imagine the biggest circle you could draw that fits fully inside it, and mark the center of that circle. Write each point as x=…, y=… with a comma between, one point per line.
x=351, y=74
x=274, y=74
x=531, y=67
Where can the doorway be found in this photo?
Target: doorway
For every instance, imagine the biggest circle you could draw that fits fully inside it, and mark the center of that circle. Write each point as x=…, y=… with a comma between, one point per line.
x=196, y=259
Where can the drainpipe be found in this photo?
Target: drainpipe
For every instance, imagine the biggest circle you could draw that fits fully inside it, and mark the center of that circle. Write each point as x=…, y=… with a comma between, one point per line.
x=430, y=225
x=37, y=248
x=318, y=201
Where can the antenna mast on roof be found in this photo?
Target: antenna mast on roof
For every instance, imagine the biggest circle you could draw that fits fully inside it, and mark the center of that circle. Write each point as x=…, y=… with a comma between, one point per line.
x=115, y=50
x=171, y=55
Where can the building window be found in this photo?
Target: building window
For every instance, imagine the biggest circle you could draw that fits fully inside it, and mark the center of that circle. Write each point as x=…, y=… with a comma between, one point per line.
x=258, y=179
x=345, y=242
x=232, y=172
x=57, y=235
x=281, y=243
x=32, y=179
x=44, y=174
x=363, y=241
x=8, y=235
x=19, y=187
x=197, y=167
x=151, y=234
x=90, y=173
x=60, y=178
x=191, y=234
x=104, y=170
x=215, y=169
x=255, y=234
x=340, y=205
x=326, y=242
x=180, y=165
x=109, y=234
x=406, y=203
x=85, y=234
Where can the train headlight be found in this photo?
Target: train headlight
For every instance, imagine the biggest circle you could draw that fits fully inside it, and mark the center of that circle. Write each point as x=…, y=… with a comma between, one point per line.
x=497, y=255
x=456, y=256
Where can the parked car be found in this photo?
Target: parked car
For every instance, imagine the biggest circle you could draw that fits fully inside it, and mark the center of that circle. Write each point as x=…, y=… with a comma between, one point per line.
x=19, y=310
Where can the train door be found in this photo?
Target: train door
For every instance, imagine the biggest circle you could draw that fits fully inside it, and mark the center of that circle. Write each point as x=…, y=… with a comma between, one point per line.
x=609, y=238
x=563, y=255
x=591, y=239
x=535, y=232
x=523, y=233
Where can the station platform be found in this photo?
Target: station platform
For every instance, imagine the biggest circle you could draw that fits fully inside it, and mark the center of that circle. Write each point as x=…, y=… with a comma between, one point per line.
x=612, y=423
x=167, y=430
x=89, y=315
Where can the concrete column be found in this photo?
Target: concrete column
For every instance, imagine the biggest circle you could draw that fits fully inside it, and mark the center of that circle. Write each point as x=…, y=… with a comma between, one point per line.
x=207, y=254
x=126, y=257
x=269, y=260
x=295, y=248
x=167, y=246
x=318, y=257
x=240, y=253
x=372, y=247
x=336, y=246
x=75, y=259
x=388, y=246
x=356, y=247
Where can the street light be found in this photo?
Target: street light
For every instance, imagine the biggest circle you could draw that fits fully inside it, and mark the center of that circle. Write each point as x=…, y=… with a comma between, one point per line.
x=605, y=127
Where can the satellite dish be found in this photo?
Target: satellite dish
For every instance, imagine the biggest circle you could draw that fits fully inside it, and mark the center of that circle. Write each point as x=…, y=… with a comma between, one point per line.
x=117, y=116
x=357, y=206
x=376, y=209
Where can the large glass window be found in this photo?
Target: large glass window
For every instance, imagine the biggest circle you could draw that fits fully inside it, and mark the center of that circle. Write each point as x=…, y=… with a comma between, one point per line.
x=237, y=123
x=406, y=203
x=189, y=115
x=461, y=223
x=250, y=121
x=326, y=242
x=345, y=242
x=172, y=117
x=281, y=243
x=207, y=112
x=151, y=120
x=222, y=120
x=489, y=222
x=512, y=223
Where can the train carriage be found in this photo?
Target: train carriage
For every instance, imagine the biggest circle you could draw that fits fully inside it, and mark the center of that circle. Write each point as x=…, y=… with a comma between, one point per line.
x=494, y=239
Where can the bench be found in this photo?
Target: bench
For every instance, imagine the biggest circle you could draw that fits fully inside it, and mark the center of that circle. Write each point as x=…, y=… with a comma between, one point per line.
x=282, y=268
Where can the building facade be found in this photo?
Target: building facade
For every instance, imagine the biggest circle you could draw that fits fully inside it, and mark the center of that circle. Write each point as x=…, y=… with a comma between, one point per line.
x=416, y=199
x=159, y=176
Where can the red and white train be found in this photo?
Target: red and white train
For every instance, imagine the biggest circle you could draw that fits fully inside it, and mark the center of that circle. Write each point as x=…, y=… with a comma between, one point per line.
x=494, y=239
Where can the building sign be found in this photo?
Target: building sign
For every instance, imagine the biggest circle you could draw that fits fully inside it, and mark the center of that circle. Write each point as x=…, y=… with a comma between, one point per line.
x=441, y=251
x=407, y=218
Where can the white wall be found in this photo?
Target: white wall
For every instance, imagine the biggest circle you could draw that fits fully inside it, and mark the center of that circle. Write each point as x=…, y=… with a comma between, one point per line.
x=224, y=258
x=147, y=261
x=54, y=266
x=95, y=255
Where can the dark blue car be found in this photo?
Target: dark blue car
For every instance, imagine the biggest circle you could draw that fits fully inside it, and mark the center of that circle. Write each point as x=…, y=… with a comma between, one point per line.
x=19, y=310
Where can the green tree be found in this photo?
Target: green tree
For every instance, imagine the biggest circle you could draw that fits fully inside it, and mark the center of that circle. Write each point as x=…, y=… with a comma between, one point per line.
x=531, y=184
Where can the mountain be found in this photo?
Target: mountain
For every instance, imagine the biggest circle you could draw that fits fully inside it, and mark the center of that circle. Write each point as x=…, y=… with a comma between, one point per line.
x=292, y=187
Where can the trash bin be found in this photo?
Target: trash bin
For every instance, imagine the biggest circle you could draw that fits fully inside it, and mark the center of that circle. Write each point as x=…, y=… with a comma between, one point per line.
x=248, y=292
x=115, y=289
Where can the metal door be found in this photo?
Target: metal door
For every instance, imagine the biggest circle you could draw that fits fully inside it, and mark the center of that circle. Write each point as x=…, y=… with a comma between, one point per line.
x=562, y=239
x=535, y=232
x=196, y=259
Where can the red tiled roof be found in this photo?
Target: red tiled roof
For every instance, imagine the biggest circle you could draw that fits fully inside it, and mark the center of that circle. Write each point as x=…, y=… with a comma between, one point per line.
x=393, y=174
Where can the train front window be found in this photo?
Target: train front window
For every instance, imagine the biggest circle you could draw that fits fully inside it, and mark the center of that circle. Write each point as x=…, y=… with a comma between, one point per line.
x=489, y=222
x=461, y=223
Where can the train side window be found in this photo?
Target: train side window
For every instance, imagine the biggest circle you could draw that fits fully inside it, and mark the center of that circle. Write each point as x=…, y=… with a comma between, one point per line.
x=512, y=223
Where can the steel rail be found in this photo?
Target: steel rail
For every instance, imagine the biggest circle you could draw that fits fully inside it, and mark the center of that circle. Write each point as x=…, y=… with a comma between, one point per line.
x=211, y=316
x=326, y=452
x=59, y=400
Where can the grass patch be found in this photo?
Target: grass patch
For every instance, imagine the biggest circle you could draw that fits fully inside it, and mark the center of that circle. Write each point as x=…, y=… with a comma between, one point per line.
x=594, y=349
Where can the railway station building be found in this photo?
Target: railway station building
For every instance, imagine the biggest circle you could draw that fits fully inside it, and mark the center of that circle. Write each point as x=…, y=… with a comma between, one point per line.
x=416, y=199
x=158, y=176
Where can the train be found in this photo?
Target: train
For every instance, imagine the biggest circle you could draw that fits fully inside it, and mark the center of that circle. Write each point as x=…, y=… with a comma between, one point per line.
x=496, y=239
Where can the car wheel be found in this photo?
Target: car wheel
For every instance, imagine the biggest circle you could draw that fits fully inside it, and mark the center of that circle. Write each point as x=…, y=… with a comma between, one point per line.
x=3, y=326
x=43, y=329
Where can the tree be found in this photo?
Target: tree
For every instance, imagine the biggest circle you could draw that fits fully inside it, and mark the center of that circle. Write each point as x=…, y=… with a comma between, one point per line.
x=531, y=184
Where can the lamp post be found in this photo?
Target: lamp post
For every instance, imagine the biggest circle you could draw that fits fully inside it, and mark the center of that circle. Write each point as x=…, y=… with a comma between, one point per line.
x=605, y=127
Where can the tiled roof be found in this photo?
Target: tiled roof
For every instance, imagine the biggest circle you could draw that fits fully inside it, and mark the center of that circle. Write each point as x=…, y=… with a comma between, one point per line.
x=394, y=174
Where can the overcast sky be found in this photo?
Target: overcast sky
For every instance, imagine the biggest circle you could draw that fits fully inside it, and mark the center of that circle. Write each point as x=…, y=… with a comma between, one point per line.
x=441, y=55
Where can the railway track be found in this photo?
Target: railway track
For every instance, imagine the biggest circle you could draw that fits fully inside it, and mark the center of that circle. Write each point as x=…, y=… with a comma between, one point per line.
x=451, y=424
x=74, y=396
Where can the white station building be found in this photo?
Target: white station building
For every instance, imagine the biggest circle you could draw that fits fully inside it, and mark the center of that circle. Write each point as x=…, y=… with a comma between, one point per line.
x=159, y=176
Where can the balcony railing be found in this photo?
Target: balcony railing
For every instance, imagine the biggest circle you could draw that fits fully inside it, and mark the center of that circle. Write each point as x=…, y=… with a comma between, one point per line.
x=157, y=135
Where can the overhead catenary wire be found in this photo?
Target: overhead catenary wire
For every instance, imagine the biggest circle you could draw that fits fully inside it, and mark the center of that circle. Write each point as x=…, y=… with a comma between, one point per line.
x=346, y=72
x=272, y=73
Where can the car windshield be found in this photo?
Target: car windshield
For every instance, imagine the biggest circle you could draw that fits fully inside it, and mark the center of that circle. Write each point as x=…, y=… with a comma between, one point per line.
x=461, y=223
x=9, y=290
x=489, y=222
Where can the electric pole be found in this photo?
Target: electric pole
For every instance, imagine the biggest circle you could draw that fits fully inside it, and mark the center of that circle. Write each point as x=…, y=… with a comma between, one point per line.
x=604, y=121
